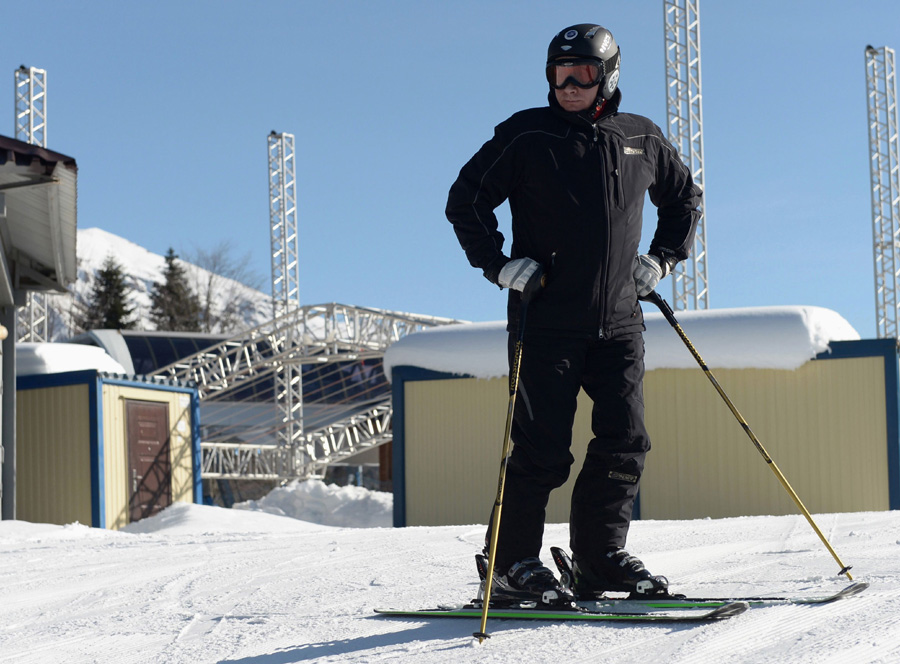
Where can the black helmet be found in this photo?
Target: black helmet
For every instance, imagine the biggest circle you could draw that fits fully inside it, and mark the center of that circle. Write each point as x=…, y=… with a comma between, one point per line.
x=590, y=41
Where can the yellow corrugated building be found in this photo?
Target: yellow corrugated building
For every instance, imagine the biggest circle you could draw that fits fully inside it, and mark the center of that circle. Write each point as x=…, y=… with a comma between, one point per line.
x=831, y=425
x=104, y=450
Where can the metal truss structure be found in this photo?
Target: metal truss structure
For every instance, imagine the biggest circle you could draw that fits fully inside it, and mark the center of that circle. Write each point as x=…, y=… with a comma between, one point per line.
x=684, y=112
x=31, y=105
x=285, y=278
x=884, y=169
x=319, y=449
x=31, y=127
x=312, y=334
x=283, y=224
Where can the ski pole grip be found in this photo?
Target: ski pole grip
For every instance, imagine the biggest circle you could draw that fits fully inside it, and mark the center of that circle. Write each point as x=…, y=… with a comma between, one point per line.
x=663, y=306
x=535, y=285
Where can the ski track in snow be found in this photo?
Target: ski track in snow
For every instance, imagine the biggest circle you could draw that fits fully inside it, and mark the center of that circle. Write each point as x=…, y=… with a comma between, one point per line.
x=73, y=594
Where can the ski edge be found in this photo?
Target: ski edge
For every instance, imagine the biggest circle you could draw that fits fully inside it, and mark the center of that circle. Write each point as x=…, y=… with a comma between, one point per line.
x=718, y=613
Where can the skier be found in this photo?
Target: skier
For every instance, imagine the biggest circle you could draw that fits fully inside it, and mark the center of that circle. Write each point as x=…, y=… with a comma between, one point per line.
x=575, y=174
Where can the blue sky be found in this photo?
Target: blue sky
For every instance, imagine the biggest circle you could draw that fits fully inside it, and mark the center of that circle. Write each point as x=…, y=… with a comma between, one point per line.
x=166, y=107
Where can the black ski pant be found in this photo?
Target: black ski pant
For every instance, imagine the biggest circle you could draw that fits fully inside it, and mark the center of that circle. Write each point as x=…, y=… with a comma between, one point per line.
x=553, y=371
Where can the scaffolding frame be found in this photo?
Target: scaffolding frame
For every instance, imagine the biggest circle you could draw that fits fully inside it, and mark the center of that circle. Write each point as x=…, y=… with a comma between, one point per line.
x=285, y=281
x=684, y=113
x=884, y=171
x=31, y=127
x=312, y=334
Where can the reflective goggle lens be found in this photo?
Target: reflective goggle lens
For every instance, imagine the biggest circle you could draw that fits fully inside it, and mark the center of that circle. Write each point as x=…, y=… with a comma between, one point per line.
x=581, y=73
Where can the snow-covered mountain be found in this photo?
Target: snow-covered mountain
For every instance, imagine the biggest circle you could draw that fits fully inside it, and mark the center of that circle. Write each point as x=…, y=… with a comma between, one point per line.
x=231, y=300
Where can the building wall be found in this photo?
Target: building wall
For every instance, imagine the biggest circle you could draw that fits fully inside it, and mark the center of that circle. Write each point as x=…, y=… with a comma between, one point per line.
x=452, y=448
x=825, y=425
x=53, y=465
x=115, y=447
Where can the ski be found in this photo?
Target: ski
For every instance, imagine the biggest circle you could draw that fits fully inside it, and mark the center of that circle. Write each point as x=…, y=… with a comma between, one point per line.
x=564, y=564
x=579, y=615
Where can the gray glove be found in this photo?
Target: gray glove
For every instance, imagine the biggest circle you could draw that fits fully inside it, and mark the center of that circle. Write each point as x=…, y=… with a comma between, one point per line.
x=648, y=270
x=516, y=274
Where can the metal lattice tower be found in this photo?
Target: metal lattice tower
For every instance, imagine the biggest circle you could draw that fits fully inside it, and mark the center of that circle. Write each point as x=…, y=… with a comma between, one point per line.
x=285, y=280
x=31, y=127
x=884, y=170
x=684, y=112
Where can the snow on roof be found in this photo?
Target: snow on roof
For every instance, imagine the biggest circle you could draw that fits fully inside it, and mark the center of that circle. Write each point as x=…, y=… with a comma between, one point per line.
x=778, y=337
x=34, y=358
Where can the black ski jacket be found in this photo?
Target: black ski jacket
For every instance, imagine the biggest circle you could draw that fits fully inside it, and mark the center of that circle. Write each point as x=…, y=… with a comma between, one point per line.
x=576, y=192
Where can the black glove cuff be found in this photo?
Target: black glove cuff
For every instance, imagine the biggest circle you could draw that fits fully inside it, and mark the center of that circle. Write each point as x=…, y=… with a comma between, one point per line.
x=667, y=260
x=492, y=271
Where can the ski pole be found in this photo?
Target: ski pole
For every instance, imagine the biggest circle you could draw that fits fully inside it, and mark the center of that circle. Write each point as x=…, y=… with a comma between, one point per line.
x=666, y=310
x=527, y=296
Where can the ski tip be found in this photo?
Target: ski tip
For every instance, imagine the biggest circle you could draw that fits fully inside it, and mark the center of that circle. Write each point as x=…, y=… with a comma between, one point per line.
x=728, y=610
x=854, y=589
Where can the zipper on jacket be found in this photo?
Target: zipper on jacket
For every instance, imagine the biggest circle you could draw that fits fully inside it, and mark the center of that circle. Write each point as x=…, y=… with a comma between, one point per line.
x=602, y=312
x=618, y=180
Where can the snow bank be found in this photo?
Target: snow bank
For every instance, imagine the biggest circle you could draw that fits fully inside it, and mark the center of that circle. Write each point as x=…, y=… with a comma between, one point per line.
x=783, y=337
x=327, y=504
x=37, y=358
x=190, y=519
x=25, y=531
x=305, y=506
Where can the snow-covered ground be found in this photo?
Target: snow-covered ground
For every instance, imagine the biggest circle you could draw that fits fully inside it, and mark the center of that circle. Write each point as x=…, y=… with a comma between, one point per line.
x=260, y=584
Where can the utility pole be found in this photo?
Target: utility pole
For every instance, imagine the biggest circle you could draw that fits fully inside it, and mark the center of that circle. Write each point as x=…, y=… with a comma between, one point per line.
x=684, y=111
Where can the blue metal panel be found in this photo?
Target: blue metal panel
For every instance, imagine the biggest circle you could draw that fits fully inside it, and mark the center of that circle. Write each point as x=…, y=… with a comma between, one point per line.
x=56, y=379
x=195, y=447
x=98, y=483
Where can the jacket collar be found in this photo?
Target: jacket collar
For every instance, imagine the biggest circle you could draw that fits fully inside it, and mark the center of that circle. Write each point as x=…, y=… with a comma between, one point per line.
x=584, y=118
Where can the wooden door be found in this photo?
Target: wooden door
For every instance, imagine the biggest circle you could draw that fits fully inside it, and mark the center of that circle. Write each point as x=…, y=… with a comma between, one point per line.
x=150, y=467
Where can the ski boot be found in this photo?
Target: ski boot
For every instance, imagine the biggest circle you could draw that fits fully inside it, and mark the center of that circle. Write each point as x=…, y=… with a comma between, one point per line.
x=526, y=584
x=615, y=571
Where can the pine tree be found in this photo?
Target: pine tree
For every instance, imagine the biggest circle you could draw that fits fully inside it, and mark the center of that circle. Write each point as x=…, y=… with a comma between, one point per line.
x=107, y=306
x=174, y=306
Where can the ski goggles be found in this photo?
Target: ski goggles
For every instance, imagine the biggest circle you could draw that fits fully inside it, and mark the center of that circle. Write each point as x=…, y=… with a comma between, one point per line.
x=580, y=73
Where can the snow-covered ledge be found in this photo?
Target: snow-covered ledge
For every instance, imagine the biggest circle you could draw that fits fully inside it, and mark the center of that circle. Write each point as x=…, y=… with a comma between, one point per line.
x=44, y=358
x=778, y=337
